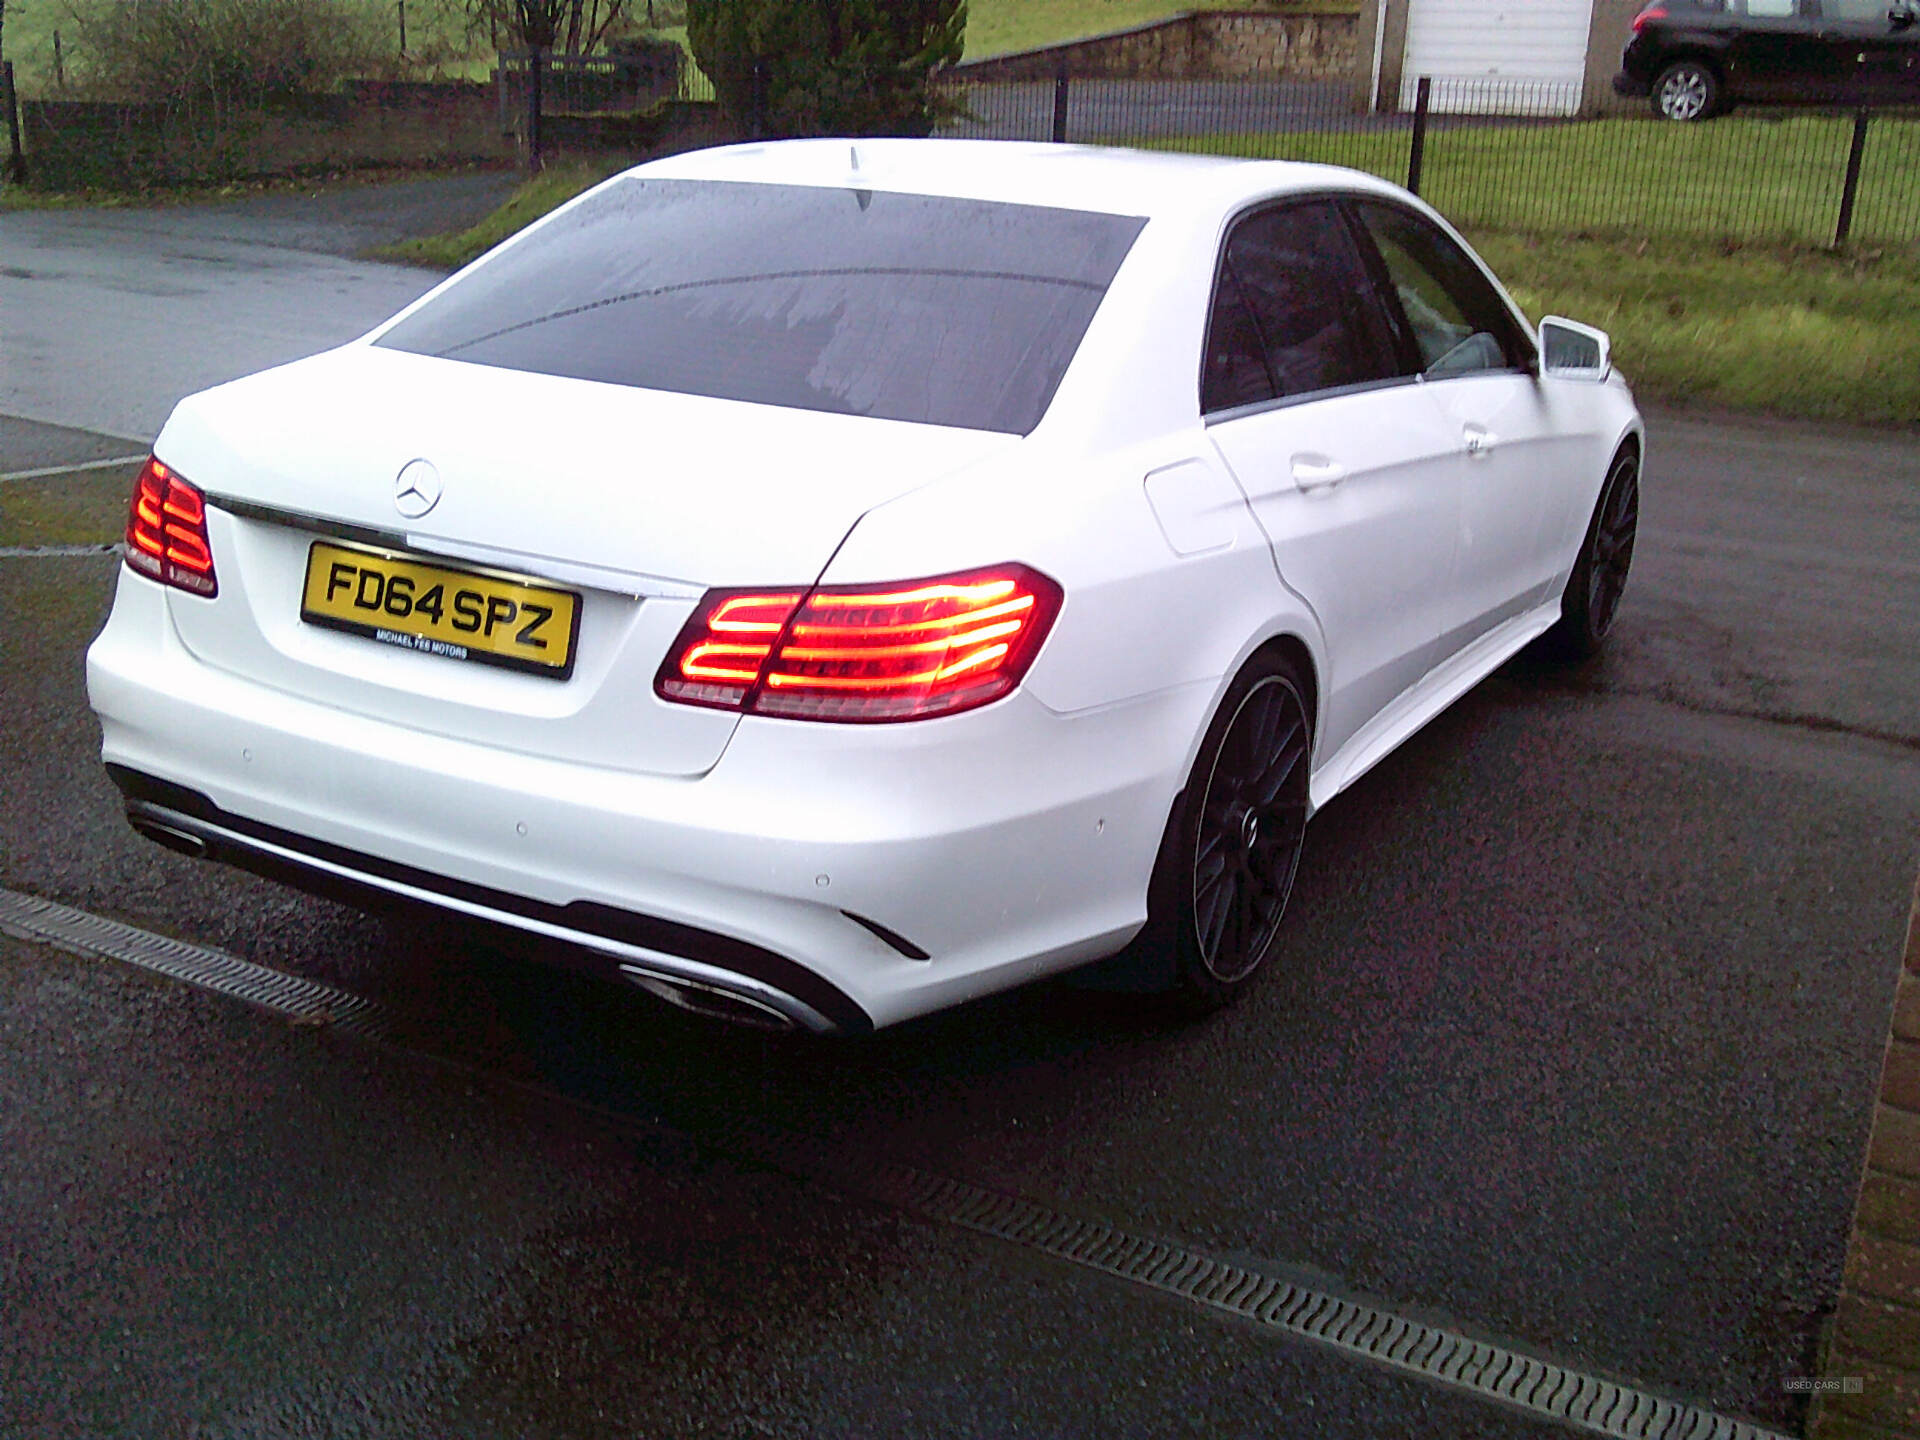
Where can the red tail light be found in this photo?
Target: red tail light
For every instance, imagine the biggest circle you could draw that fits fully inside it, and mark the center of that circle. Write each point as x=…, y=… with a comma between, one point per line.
x=1652, y=12
x=167, y=531
x=863, y=652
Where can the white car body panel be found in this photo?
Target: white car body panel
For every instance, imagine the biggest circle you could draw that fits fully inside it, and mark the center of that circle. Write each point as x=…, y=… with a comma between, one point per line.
x=1354, y=495
x=643, y=485
x=1004, y=843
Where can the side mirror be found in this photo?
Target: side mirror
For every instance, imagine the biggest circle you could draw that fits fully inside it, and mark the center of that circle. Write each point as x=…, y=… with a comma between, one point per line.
x=1572, y=351
x=1900, y=16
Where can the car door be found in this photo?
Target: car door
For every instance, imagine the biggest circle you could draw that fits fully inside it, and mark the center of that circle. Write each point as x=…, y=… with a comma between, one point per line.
x=1903, y=53
x=1776, y=53
x=1870, y=54
x=1476, y=365
x=1349, y=469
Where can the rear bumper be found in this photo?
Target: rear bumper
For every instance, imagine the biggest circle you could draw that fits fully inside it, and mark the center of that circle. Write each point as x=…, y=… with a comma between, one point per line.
x=679, y=962
x=1625, y=84
x=842, y=877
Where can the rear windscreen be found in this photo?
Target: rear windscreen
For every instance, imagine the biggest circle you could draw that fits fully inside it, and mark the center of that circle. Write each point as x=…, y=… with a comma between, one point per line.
x=860, y=302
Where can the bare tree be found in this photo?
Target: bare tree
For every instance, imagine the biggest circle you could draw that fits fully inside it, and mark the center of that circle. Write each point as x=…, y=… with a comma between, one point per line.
x=535, y=23
x=588, y=22
x=537, y=27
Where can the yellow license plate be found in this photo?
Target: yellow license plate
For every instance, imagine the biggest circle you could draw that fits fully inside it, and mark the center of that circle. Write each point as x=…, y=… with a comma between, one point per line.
x=460, y=614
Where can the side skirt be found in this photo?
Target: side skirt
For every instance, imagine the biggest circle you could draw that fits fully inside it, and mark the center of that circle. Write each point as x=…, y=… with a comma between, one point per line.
x=1420, y=703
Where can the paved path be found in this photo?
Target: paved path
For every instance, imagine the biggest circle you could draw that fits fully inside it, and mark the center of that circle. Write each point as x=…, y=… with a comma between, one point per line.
x=107, y=317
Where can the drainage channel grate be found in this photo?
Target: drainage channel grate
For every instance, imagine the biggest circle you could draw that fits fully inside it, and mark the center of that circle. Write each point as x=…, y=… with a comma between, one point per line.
x=1430, y=1352
x=26, y=917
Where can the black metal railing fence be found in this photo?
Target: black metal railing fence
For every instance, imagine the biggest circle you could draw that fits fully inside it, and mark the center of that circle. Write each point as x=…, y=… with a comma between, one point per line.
x=1507, y=155
x=599, y=84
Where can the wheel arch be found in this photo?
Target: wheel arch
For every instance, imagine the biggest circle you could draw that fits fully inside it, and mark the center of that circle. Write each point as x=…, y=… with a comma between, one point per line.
x=1701, y=54
x=1287, y=640
x=1145, y=960
x=1295, y=651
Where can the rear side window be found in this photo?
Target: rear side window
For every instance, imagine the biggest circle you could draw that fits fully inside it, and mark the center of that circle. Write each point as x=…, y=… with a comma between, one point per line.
x=1293, y=311
x=901, y=307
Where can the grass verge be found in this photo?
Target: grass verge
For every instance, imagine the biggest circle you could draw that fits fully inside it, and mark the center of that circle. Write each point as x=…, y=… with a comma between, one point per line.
x=312, y=180
x=1756, y=177
x=546, y=191
x=1788, y=331
x=87, y=509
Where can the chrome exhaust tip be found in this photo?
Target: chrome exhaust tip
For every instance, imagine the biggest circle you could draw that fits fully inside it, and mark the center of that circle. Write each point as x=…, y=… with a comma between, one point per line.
x=180, y=841
x=710, y=1002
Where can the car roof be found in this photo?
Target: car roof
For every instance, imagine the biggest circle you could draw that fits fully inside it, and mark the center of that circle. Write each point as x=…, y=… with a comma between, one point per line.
x=1110, y=179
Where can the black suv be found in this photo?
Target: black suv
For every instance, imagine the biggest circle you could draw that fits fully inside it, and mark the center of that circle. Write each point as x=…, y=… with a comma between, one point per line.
x=1696, y=58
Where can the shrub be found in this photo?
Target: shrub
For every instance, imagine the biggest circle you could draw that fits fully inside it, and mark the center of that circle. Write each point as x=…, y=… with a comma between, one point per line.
x=654, y=62
x=855, y=67
x=223, y=55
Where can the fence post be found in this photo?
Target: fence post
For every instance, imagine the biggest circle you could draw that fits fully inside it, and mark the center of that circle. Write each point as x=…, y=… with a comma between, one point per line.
x=536, y=107
x=1851, y=190
x=757, y=103
x=1060, y=103
x=1417, y=151
x=16, y=160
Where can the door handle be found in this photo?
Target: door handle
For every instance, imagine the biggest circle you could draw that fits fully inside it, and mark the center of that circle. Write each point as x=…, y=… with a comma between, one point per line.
x=1317, y=472
x=1479, y=440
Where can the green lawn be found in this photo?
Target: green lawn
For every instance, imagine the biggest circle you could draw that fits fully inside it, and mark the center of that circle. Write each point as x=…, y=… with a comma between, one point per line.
x=1789, y=331
x=86, y=509
x=436, y=28
x=1746, y=178
x=996, y=26
x=436, y=33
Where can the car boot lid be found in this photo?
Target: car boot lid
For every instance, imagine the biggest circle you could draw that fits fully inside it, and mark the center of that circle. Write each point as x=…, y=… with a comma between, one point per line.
x=672, y=488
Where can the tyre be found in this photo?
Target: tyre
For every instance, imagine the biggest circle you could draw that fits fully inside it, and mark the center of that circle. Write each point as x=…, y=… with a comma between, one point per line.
x=1686, y=90
x=1227, y=861
x=1592, y=597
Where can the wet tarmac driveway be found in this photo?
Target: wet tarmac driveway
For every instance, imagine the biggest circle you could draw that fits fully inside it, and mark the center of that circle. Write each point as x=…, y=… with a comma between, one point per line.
x=1570, y=1049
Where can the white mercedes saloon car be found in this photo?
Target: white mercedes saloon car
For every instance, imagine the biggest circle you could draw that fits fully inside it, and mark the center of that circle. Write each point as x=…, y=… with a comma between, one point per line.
x=823, y=582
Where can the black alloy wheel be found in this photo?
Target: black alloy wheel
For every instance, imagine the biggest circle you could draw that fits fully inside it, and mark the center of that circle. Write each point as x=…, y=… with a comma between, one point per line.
x=1238, y=841
x=1686, y=90
x=1591, y=601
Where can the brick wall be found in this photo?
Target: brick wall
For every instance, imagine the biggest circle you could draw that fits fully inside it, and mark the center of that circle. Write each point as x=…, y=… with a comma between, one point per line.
x=1872, y=1369
x=1214, y=45
x=1237, y=46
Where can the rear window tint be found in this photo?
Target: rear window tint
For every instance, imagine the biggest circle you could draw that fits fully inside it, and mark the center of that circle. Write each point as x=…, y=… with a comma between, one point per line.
x=900, y=307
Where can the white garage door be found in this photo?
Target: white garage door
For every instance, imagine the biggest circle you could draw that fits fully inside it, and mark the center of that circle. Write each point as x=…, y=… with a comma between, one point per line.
x=1497, y=57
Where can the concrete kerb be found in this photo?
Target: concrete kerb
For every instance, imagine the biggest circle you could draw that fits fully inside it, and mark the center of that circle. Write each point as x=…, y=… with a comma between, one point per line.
x=1870, y=1375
